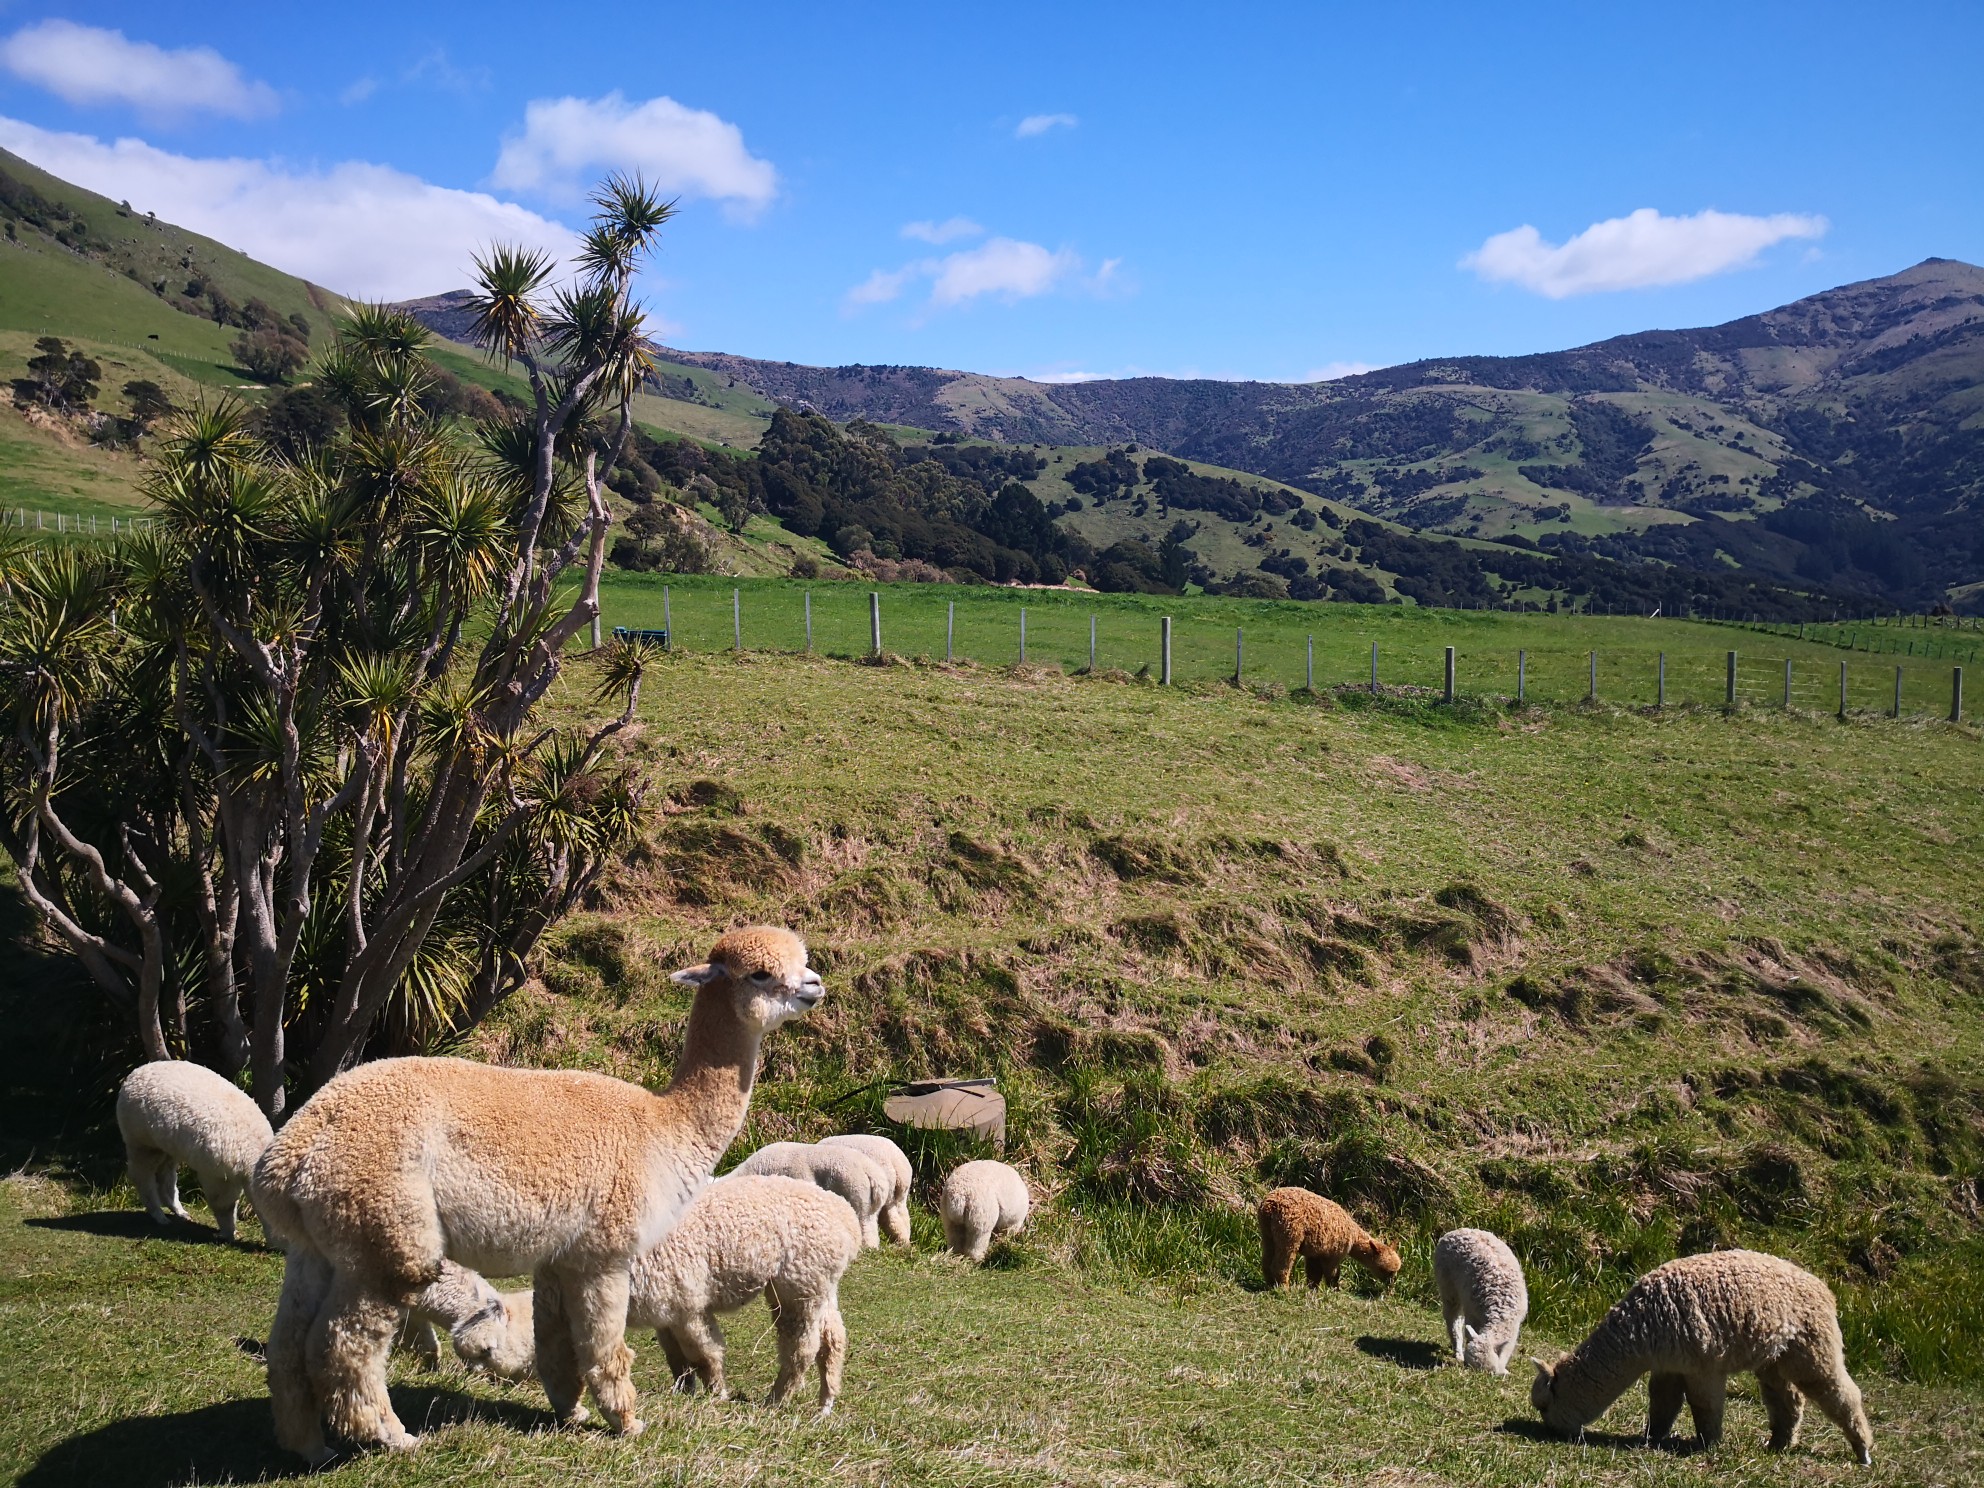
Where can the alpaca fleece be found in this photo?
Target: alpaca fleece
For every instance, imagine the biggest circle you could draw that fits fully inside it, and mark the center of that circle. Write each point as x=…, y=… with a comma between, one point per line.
x=982, y=1201
x=1691, y=1324
x=174, y=1113
x=1482, y=1297
x=490, y=1330
x=396, y=1167
x=894, y=1218
x=1296, y=1222
x=848, y=1172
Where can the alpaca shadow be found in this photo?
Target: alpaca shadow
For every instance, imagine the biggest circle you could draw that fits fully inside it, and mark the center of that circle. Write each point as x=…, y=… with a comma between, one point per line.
x=1531, y=1429
x=1407, y=1353
x=135, y=1224
x=234, y=1441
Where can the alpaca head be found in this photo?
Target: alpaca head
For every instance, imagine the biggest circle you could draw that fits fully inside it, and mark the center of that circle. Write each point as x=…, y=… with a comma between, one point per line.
x=763, y=970
x=1481, y=1354
x=1543, y=1395
x=500, y=1340
x=1381, y=1259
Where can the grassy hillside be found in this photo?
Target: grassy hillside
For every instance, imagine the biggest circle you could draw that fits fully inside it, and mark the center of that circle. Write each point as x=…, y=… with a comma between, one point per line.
x=1617, y=984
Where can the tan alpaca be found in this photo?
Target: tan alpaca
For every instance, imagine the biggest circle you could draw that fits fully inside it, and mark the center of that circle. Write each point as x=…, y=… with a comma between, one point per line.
x=1692, y=1323
x=1296, y=1222
x=394, y=1167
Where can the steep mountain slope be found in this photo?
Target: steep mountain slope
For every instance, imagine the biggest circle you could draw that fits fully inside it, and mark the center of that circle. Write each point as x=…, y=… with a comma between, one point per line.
x=1836, y=441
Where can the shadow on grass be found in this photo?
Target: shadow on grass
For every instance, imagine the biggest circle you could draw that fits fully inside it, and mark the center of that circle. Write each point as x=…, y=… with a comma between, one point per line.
x=127, y=1224
x=1531, y=1429
x=234, y=1441
x=1407, y=1353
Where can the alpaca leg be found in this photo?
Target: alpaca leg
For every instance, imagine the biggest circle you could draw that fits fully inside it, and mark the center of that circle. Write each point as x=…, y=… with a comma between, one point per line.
x=306, y=1281
x=557, y=1363
x=895, y=1222
x=1783, y=1404
x=800, y=1338
x=701, y=1341
x=596, y=1311
x=347, y=1356
x=417, y=1337
x=1837, y=1395
x=871, y=1232
x=1707, y=1394
x=1457, y=1331
x=167, y=1185
x=1665, y=1393
x=832, y=1357
x=143, y=1164
x=681, y=1368
x=1277, y=1257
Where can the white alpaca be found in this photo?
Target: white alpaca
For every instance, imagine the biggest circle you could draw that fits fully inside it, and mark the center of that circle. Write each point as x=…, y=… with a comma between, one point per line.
x=982, y=1201
x=894, y=1218
x=490, y=1330
x=396, y=1167
x=1482, y=1297
x=174, y=1112
x=852, y=1174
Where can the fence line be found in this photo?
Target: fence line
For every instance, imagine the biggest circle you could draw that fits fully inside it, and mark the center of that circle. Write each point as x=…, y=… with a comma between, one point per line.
x=1775, y=681
x=73, y=524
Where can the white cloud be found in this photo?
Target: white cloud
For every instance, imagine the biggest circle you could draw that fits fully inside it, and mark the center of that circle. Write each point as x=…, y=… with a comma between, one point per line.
x=882, y=286
x=1035, y=124
x=1636, y=251
x=359, y=91
x=1005, y=267
x=354, y=227
x=1331, y=371
x=89, y=65
x=947, y=231
x=566, y=142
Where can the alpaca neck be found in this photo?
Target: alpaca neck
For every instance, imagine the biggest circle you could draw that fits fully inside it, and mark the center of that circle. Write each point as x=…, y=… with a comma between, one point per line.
x=711, y=1091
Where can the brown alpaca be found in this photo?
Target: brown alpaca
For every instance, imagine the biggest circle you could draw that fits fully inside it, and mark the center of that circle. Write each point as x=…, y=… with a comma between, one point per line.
x=394, y=1167
x=1296, y=1222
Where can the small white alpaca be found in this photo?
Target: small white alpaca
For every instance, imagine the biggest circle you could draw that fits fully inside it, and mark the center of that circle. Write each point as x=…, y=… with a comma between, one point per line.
x=490, y=1330
x=982, y=1201
x=1482, y=1297
x=894, y=1218
x=175, y=1112
x=846, y=1171
x=1694, y=1322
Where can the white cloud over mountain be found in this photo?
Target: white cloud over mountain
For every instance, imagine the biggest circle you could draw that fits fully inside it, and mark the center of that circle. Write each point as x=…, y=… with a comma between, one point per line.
x=1001, y=268
x=91, y=65
x=354, y=227
x=1637, y=251
x=565, y=144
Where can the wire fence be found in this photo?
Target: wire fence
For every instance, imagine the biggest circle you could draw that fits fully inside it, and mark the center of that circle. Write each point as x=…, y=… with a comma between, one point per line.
x=72, y=524
x=986, y=627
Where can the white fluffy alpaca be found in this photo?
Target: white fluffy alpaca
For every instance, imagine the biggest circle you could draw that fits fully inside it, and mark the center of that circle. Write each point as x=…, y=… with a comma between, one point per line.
x=894, y=1218
x=174, y=1112
x=982, y=1201
x=1482, y=1297
x=864, y=1183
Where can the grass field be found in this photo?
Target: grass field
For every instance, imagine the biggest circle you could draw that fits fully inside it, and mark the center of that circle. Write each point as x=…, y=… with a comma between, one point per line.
x=1274, y=639
x=121, y=1355
x=1617, y=984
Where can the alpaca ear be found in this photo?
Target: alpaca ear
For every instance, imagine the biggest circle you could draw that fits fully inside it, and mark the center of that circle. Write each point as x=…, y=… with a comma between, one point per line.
x=697, y=976
x=1543, y=1371
x=1472, y=1335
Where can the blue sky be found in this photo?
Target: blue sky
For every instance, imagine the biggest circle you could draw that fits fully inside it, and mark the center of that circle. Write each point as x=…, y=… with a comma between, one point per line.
x=1276, y=191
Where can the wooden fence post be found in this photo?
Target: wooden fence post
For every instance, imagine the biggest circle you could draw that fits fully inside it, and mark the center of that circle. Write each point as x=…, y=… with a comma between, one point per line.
x=1022, y=635
x=1374, y=669
x=1522, y=674
x=1956, y=694
x=1164, y=665
x=1842, y=692
x=736, y=622
x=1309, y=667
x=950, y=630
x=809, y=622
x=667, y=622
x=1660, y=693
x=1729, y=692
x=874, y=624
x=1450, y=674
x=1091, y=644
x=1787, y=681
x=1239, y=652
x=1591, y=689
x=1897, y=692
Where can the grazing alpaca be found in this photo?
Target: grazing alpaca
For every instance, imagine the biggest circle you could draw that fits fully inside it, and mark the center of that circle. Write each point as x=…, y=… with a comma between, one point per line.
x=395, y=1167
x=1296, y=1222
x=894, y=1218
x=1692, y=1323
x=981, y=1201
x=1483, y=1297
x=171, y=1112
x=846, y=1172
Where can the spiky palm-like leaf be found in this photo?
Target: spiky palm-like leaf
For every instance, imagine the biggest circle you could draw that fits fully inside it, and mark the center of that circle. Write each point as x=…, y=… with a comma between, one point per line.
x=505, y=315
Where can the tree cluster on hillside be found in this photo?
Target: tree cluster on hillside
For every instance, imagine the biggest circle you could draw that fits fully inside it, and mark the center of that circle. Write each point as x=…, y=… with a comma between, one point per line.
x=275, y=770
x=60, y=377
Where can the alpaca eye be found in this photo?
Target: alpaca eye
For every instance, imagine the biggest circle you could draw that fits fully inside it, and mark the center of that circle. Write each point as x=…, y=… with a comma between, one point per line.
x=761, y=976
